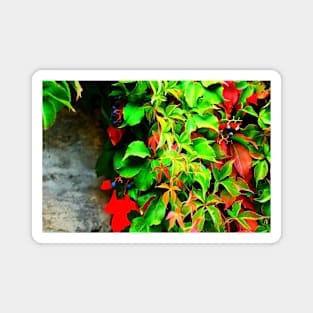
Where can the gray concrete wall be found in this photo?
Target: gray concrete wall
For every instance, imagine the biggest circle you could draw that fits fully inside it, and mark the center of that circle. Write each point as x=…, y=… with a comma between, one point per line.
x=72, y=201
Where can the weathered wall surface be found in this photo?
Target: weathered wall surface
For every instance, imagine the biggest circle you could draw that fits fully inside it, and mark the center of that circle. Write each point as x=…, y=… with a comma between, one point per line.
x=72, y=201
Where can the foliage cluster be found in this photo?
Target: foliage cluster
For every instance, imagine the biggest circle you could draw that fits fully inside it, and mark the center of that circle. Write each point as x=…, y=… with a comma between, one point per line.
x=182, y=156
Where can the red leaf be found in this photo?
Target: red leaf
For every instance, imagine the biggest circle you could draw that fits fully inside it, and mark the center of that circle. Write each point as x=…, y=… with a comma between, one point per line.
x=253, y=99
x=242, y=160
x=119, y=222
x=231, y=96
x=120, y=206
x=106, y=185
x=115, y=134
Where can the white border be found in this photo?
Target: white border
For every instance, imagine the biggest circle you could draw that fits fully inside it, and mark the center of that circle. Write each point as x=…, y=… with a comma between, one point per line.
x=165, y=238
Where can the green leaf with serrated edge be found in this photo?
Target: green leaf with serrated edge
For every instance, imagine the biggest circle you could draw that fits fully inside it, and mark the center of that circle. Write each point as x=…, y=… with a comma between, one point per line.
x=230, y=186
x=155, y=212
x=246, y=93
x=48, y=114
x=260, y=170
x=137, y=149
x=144, y=179
x=193, y=90
x=216, y=217
x=204, y=151
x=139, y=225
x=206, y=121
x=133, y=114
x=226, y=170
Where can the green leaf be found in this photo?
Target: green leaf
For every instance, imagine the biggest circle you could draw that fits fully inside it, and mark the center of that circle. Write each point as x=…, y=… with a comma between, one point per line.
x=138, y=149
x=236, y=208
x=250, y=110
x=127, y=168
x=267, y=151
x=265, y=195
x=155, y=212
x=241, y=84
x=216, y=173
x=260, y=170
x=144, y=179
x=216, y=217
x=133, y=114
x=230, y=186
x=203, y=149
x=206, y=121
x=203, y=177
x=130, y=170
x=193, y=90
x=226, y=170
x=213, y=97
x=246, y=93
x=48, y=114
x=265, y=116
x=139, y=225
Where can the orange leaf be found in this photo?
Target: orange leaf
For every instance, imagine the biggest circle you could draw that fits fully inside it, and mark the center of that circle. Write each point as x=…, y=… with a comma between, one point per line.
x=165, y=197
x=165, y=186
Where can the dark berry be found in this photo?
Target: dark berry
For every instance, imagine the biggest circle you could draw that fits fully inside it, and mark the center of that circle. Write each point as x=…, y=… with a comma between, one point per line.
x=228, y=127
x=113, y=184
x=113, y=107
x=129, y=185
x=230, y=134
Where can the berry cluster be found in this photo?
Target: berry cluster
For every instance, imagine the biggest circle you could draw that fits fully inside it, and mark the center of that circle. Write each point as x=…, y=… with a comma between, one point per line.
x=117, y=115
x=118, y=180
x=228, y=130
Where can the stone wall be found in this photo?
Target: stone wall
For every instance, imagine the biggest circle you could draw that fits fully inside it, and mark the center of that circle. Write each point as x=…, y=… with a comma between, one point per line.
x=72, y=201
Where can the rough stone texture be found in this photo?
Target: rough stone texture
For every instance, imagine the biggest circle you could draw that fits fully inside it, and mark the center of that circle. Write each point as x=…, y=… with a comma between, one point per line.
x=72, y=201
